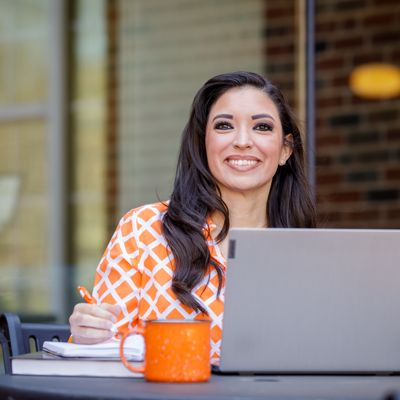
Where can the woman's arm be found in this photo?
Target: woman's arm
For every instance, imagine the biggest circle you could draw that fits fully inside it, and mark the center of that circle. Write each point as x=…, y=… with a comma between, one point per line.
x=116, y=289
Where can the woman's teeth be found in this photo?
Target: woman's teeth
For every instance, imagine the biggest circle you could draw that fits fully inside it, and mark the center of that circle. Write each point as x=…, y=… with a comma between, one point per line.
x=242, y=162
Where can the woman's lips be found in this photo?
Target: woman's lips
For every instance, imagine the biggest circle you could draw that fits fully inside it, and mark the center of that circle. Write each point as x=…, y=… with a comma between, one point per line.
x=242, y=163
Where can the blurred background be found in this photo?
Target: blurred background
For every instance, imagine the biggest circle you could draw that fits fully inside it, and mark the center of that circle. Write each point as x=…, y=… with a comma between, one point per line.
x=94, y=95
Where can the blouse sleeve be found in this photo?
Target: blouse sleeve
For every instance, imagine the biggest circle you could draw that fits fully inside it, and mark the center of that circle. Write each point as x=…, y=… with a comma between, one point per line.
x=118, y=279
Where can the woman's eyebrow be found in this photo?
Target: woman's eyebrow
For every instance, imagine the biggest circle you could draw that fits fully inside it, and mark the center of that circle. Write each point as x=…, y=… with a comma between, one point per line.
x=228, y=116
x=258, y=116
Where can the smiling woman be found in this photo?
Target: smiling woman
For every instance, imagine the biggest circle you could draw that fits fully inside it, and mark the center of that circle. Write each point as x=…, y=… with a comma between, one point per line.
x=240, y=165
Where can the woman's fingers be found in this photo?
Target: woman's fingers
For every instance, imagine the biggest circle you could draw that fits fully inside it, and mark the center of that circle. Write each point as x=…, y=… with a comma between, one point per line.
x=84, y=335
x=105, y=311
x=91, y=323
x=114, y=309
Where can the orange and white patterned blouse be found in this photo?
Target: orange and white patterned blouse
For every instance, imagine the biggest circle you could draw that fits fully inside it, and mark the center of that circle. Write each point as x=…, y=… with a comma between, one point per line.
x=136, y=272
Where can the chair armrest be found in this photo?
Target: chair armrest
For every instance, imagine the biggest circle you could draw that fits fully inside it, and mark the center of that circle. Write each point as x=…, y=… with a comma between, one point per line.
x=10, y=326
x=5, y=353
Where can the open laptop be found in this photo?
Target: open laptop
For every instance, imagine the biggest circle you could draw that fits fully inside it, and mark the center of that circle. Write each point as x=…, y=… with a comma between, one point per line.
x=312, y=301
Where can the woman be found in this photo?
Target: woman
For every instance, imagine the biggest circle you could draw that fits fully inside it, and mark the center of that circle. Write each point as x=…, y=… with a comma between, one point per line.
x=240, y=165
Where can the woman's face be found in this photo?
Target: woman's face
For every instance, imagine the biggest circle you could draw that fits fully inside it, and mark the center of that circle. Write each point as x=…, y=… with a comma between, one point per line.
x=244, y=141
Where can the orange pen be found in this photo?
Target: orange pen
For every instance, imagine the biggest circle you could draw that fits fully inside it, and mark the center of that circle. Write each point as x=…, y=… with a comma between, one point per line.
x=86, y=295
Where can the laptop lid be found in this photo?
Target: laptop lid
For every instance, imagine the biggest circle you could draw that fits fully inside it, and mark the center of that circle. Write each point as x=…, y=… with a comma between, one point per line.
x=312, y=300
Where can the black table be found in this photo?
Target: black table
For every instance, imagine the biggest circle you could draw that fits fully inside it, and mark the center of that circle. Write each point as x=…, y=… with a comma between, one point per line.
x=219, y=387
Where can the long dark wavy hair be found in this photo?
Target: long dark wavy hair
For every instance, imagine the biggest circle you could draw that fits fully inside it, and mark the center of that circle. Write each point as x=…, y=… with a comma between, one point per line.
x=196, y=195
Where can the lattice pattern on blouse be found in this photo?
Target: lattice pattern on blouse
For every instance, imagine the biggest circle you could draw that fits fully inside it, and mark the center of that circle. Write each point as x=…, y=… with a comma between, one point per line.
x=136, y=273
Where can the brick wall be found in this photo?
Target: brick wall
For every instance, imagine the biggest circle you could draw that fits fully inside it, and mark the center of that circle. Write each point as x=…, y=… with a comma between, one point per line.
x=281, y=27
x=112, y=123
x=357, y=140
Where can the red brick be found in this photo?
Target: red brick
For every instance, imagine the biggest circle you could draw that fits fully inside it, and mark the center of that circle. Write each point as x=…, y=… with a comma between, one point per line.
x=361, y=100
x=382, y=3
x=394, y=214
x=273, y=50
x=330, y=63
x=349, y=23
x=395, y=55
x=329, y=102
x=393, y=174
x=351, y=42
x=361, y=215
x=112, y=190
x=323, y=160
x=367, y=57
x=328, y=141
x=339, y=81
x=377, y=20
x=329, y=217
x=325, y=179
x=393, y=134
x=344, y=197
x=327, y=26
x=388, y=114
x=320, y=122
x=392, y=37
x=279, y=12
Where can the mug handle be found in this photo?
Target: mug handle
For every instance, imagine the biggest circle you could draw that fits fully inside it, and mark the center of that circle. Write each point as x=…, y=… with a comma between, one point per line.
x=137, y=331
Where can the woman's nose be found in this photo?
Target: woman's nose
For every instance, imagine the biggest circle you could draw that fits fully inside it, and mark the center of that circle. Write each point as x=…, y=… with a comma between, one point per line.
x=243, y=139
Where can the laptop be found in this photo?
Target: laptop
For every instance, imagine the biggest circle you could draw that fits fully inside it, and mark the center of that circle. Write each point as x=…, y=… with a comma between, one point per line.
x=312, y=301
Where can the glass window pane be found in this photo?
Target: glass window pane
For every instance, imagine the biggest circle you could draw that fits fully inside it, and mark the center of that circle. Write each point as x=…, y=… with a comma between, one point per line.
x=24, y=43
x=88, y=113
x=25, y=284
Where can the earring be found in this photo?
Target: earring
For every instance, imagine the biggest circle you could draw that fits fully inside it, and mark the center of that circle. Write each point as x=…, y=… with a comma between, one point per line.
x=282, y=163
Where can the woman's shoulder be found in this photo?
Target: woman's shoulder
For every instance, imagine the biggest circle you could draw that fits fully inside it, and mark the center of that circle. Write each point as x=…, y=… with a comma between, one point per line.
x=147, y=212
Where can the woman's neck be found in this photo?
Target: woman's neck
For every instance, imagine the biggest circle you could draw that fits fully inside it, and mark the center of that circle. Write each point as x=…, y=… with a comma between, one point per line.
x=245, y=211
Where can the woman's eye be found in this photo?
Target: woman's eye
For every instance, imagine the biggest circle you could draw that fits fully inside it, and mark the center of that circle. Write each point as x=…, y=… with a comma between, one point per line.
x=264, y=127
x=222, y=125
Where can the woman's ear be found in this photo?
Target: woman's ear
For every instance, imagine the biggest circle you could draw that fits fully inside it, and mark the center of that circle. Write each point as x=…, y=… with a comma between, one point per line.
x=287, y=149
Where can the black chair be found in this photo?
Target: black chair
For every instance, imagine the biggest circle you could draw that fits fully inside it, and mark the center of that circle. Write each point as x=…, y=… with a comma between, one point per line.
x=20, y=338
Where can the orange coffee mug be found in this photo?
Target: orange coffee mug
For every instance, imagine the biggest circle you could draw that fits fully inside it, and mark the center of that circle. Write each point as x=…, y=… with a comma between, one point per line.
x=175, y=350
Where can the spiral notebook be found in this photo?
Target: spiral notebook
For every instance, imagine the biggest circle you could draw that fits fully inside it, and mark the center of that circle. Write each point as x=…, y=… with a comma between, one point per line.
x=133, y=347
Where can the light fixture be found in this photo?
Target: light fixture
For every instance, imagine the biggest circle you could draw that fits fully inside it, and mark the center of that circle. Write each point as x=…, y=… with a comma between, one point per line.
x=376, y=81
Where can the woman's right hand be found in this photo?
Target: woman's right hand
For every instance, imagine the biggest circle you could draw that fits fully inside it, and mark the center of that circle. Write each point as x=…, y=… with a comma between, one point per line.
x=92, y=323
